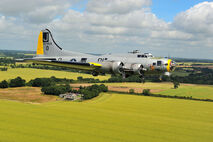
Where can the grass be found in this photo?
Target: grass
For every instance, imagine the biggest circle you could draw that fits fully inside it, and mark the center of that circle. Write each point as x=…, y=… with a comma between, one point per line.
x=30, y=54
x=196, y=91
x=26, y=94
x=190, y=63
x=28, y=74
x=110, y=117
x=180, y=73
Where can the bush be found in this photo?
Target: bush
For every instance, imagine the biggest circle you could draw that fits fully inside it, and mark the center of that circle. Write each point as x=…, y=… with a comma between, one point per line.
x=103, y=88
x=3, y=69
x=17, y=82
x=146, y=92
x=41, y=82
x=56, y=89
x=79, y=78
x=4, y=84
x=92, y=91
x=176, y=84
x=131, y=91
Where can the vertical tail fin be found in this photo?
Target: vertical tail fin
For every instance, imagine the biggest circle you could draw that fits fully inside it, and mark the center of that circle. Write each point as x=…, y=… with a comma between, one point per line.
x=40, y=48
x=48, y=47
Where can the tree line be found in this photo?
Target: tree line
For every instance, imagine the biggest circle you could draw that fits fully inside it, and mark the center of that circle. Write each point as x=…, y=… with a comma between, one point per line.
x=56, y=86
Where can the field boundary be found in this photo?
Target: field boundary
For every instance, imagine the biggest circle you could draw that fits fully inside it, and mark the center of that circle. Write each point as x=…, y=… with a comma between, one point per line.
x=164, y=96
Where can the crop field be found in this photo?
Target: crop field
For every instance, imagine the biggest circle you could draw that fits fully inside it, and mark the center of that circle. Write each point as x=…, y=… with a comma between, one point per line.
x=26, y=94
x=195, y=63
x=196, y=91
x=180, y=73
x=108, y=118
x=28, y=74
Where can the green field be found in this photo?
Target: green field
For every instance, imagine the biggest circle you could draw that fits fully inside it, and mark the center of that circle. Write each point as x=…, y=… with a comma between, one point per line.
x=108, y=118
x=196, y=91
x=180, y=73
x=28, y=74
x=195, y=63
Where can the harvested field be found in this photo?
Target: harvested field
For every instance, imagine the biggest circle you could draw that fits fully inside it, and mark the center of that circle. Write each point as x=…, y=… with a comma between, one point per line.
x=26, y=94
x=122, y=88
x=190, y=90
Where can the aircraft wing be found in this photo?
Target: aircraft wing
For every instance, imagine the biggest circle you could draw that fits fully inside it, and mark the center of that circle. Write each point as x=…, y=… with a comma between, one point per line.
x=69, y=64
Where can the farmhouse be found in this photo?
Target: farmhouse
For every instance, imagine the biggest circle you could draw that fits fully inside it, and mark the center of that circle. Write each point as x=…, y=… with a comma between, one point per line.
x=71, y=96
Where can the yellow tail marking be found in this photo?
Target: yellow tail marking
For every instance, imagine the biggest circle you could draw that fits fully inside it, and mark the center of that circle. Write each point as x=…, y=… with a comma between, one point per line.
x=40, y=50
x=168, y=67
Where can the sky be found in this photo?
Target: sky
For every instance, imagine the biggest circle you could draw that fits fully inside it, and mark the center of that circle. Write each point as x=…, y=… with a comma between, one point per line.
x=178, y=28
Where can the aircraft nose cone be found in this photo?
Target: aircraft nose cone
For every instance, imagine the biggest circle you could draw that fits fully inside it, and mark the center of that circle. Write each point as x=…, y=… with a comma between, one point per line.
x=172, y=65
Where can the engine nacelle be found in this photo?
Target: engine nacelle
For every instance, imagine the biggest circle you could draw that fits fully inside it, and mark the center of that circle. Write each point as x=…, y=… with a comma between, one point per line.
x=138, y=69
x=135, y=68
x=113, y=67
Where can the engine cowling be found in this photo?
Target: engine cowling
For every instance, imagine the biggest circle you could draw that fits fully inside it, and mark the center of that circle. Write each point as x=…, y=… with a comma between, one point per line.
x=138, y=69
x=113, y=67
x=135, y=68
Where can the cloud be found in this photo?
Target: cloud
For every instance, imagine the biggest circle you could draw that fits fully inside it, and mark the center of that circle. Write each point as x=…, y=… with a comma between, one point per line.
x=116, y=6
x=109, y=26
x=36, y=11
x=196, y=20
x=8, y=27
x=44, y=14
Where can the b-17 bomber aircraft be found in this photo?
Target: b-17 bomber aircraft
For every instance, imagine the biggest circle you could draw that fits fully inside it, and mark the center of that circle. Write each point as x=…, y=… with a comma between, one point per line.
x=49, y=53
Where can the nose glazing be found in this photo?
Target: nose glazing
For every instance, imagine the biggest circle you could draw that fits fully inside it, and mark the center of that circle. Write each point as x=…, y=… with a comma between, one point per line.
x=173, y=65
x=170, y=65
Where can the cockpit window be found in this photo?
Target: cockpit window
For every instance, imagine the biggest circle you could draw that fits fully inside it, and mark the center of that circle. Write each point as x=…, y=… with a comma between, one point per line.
x=159, y=63
x=143, y=56
x=45, y=37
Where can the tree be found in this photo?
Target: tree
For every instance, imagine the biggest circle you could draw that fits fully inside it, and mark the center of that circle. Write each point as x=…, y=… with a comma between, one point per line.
x=55, y=89
x=80, y=78
x=103, y=87
x=92, y=91
x=4, y=84
x=41, y=82
x=176, y=84
x=131, y=91
x=146, y=92
x=17, y=82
